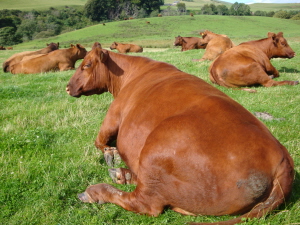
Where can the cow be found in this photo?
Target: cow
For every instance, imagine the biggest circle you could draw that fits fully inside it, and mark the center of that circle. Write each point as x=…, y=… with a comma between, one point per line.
x=9, y=48
x=62, y=59
x=19, y=56
x=125, y=48
x=187, y=145
x=189, y=43
x=249, y=63
x=216, y=44
x=2, y=48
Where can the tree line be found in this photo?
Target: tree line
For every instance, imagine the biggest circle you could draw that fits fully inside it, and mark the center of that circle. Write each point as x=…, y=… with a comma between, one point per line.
x=17, y=26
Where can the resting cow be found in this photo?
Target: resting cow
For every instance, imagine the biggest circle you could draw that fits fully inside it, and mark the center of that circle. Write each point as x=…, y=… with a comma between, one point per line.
x=125, y=48
x=19, y=56
x=216, y=44
x=62, y=59
x=189, y=43
x=187, y=145
x=249, y=63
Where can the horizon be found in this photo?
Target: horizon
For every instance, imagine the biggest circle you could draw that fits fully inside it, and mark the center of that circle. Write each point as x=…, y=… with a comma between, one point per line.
x=263, y=1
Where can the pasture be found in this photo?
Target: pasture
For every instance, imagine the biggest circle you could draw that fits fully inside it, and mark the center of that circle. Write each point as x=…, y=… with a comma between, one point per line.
x=47, y=153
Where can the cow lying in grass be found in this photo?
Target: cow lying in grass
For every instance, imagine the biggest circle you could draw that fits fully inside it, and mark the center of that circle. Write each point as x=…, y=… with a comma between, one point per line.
x=62, y=59
x=249, y=63
x=16, y=58
x=189, y=43
x=187, y=145
x=216, y=44
x=125, y=48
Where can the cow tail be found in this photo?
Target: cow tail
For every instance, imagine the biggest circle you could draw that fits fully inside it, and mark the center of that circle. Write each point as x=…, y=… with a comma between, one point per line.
x=282, y=186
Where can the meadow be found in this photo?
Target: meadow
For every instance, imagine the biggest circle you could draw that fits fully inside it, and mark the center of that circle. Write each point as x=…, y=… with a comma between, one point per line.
x=47, y=153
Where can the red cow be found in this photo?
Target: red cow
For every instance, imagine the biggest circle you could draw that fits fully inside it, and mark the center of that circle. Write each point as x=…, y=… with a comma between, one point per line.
x=63, y=59
x=189, y=43
x=216, y=44
x=125, y=48
x=187, y=145
x=19, y=56
x=249, y=63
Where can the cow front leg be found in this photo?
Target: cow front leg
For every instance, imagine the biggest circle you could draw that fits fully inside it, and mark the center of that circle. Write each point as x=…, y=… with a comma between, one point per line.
x=122, y=176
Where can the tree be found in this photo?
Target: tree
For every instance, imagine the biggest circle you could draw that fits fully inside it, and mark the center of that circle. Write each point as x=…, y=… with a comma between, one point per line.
x=240, y=9
x=98, y=10
x=181, y=7
x=282, y=14
x=222, y=10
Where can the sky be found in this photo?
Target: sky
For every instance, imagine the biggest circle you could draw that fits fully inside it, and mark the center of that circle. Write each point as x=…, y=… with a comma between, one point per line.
x=263, y=1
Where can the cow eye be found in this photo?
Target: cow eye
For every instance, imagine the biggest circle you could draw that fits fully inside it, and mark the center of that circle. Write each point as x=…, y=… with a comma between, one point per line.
x=88, y=65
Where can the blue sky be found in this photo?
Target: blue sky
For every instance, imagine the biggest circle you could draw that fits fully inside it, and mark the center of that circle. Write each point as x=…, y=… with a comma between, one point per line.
x=263, y=1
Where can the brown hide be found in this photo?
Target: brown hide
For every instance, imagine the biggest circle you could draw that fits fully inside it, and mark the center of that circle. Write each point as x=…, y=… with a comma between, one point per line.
x=16, y=58
x=62, y=59
x=249, y=63
x=187, y=145
x=189, y=43
x=216, y=44
x=125, y=48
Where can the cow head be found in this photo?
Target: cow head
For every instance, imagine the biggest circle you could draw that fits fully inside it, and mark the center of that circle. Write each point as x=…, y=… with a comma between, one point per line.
x=113, y=45
x=53, y=46
x=90, y=76
x=79, y=50
x=280, y=48
x=178, y=41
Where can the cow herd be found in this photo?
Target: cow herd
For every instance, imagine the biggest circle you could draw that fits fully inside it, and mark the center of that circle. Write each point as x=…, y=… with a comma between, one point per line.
x=247, y=64
x=187, y=145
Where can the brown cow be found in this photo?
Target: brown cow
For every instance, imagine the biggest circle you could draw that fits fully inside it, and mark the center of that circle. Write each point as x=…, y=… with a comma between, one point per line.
x=62, y=59
x=187, y=145
x=125, y=48
x=249, y=63
x=19, y=56
x=216, y=44
x=9, y=48
x=2, y=48
x=189, y=43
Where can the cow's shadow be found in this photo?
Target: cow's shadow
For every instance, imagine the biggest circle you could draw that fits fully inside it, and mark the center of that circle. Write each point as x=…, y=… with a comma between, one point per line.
x=288, y=70
x=295, y=195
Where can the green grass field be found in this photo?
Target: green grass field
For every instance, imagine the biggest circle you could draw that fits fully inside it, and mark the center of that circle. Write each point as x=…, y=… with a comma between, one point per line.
x=47, y=153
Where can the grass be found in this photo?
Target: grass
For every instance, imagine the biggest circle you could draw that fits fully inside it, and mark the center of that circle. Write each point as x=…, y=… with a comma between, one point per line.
x=47, y=152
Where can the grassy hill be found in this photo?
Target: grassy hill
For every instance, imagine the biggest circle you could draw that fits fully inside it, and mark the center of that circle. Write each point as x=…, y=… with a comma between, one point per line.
x=161, y=31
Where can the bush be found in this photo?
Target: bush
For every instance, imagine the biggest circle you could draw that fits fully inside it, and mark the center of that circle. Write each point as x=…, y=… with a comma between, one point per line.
x=296, y=17
x=282, y=14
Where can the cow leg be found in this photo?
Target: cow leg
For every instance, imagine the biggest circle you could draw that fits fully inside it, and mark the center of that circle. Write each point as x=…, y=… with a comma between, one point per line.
x=137, y=201
x=122, y=176
x=279, y=83
x=107, y=134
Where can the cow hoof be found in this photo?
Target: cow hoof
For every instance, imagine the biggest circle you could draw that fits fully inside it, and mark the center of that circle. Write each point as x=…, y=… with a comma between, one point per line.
x=84, y=197
x=111, y=156
x=296, y=82
x=120, y=177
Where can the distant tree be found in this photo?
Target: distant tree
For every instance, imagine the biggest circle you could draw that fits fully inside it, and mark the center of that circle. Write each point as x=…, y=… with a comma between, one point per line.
x=296, y=17
x=282, y=14
x=240, y=9
x=181, y=7
x=98, y=10
x=222, y=10
x=8, y=36
x=270, y=14
x=206, y=10
x=260, y=13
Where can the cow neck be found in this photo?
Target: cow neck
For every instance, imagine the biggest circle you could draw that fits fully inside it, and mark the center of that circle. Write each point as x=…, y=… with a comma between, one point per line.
x=265, y=45
x=116, y=68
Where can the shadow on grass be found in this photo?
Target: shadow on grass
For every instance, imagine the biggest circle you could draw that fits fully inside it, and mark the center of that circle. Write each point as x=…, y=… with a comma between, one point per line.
x=288, y=70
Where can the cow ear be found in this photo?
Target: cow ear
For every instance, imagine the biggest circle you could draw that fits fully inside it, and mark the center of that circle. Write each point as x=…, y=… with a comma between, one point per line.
x=271, y=35
x=57, y=44
x=280, y=34
x=72, y=46
x=103, y=55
